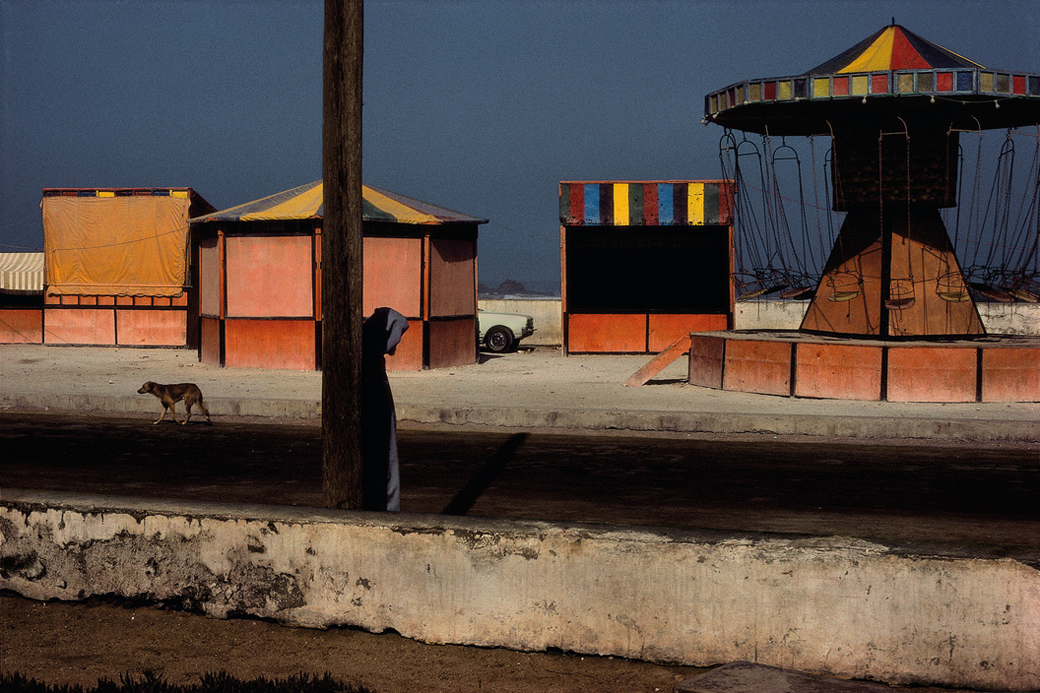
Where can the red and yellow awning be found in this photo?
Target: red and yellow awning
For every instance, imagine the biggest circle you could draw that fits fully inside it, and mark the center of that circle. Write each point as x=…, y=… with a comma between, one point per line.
x=307, y=202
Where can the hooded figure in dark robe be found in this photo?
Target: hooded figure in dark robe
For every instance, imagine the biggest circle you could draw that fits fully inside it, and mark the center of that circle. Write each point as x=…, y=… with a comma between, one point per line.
x=381, y=482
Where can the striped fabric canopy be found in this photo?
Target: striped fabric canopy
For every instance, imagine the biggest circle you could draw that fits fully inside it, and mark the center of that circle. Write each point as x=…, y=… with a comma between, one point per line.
x=307, y=202
x=646, y=203
x=893, y=48
x=21, y=273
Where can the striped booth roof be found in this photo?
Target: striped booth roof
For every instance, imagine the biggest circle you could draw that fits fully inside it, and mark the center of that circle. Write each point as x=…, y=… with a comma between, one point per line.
x=308, y=202
x=646, y=203
x=893, y=71
x=184, y=193
x=21, y=273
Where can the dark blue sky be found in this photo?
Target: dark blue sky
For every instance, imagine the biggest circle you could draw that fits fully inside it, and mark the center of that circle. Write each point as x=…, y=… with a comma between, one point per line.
x=475, y=105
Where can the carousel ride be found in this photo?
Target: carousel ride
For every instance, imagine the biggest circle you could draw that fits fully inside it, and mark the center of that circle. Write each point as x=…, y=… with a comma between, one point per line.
x=885, y=120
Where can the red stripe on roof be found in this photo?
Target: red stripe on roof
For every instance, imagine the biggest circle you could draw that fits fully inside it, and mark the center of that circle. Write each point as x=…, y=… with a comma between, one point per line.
x=904, y=55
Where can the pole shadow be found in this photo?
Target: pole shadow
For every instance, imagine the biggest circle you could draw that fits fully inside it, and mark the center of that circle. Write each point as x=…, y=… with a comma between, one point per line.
x=484, y=477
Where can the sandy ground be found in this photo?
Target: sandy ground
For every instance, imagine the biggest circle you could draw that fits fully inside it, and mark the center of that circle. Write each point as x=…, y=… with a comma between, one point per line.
x=535, y=380
x=80, y=643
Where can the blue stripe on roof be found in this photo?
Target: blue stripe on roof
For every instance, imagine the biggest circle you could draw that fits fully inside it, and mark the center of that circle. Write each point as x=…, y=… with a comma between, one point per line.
x=592, y=203
x=665, y=204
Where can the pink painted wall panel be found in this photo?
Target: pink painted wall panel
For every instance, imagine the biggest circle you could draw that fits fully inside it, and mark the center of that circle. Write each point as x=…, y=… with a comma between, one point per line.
x=286, y=344
x=453, y=343
x=452, y=277
x=209, y=277
x=758, y=366
x=409, y=353
x=914, y=377
x=21, y=326
x=152, y=327
x=1011, y=375
x=79, y=326
x=269, y=276
x=838, y=371
x=209, y=341
x=393, y=270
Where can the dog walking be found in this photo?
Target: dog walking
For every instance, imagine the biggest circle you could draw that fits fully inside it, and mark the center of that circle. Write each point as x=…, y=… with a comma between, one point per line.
x=169, y=395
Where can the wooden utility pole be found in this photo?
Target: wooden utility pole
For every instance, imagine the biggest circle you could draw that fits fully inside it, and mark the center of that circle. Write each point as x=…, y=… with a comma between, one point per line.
x=341, y=260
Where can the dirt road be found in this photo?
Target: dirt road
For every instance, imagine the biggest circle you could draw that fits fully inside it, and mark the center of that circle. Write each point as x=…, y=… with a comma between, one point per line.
x=80, y=643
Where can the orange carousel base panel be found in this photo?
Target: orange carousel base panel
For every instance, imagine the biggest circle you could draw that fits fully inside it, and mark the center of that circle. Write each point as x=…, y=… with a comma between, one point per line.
x=797, y=364
x=635, y=333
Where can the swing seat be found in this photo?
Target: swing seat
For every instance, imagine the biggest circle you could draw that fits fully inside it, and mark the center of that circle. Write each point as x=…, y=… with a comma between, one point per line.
x=993, y=293
x=797, y=293
x=951, y=288
x=1023, y=295
x=954, y=296
x=839, y=296
x=900, y=295
x=752, y=294
x=900, y=303
x=845, y=286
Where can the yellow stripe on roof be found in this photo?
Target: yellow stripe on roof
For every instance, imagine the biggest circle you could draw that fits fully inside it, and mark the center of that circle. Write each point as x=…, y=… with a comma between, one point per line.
x=621, y=204
x=695, y=204
x=302, y=206
x=877, y=57
x=401, y=212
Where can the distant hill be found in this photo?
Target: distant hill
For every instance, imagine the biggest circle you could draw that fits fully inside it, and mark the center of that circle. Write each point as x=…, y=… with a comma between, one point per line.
x=512, y=287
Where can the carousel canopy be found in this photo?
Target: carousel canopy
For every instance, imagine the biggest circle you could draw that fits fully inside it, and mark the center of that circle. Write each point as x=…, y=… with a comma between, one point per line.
x=307, y=202
x=893, y=48
x=892, y=74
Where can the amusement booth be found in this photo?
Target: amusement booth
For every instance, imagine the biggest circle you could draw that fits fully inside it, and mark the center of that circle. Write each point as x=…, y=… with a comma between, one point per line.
x=117, y=269
x=892, y=315
x=21, y=298
x=260, y=279
x=644, y=263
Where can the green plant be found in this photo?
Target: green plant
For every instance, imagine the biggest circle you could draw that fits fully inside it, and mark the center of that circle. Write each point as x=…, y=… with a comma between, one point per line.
x=218, y=682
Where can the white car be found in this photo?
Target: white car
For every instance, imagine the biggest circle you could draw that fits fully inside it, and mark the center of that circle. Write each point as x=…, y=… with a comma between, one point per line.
x=499, y=332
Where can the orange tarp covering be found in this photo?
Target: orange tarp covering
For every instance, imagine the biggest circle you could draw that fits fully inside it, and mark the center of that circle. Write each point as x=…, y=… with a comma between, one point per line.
x=121, y=246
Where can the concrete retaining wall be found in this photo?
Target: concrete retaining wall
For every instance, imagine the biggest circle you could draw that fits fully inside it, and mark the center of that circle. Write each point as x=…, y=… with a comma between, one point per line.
x=997, y=318
x=768, y=315
x=548, y=318
x=829, y=605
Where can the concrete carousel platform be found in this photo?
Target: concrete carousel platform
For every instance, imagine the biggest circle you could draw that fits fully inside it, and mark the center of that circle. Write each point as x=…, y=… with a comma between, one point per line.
x=798, y=364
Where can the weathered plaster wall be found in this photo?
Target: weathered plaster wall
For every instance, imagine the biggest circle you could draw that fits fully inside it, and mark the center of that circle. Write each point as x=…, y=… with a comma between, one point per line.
x=768, y=315
x=832, y=605
x=1010, y=318
x=997, y=318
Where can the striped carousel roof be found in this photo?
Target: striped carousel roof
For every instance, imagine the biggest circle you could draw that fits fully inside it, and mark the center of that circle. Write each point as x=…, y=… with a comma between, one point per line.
x=307, y=202
x=893, y=72
x=893, y=48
